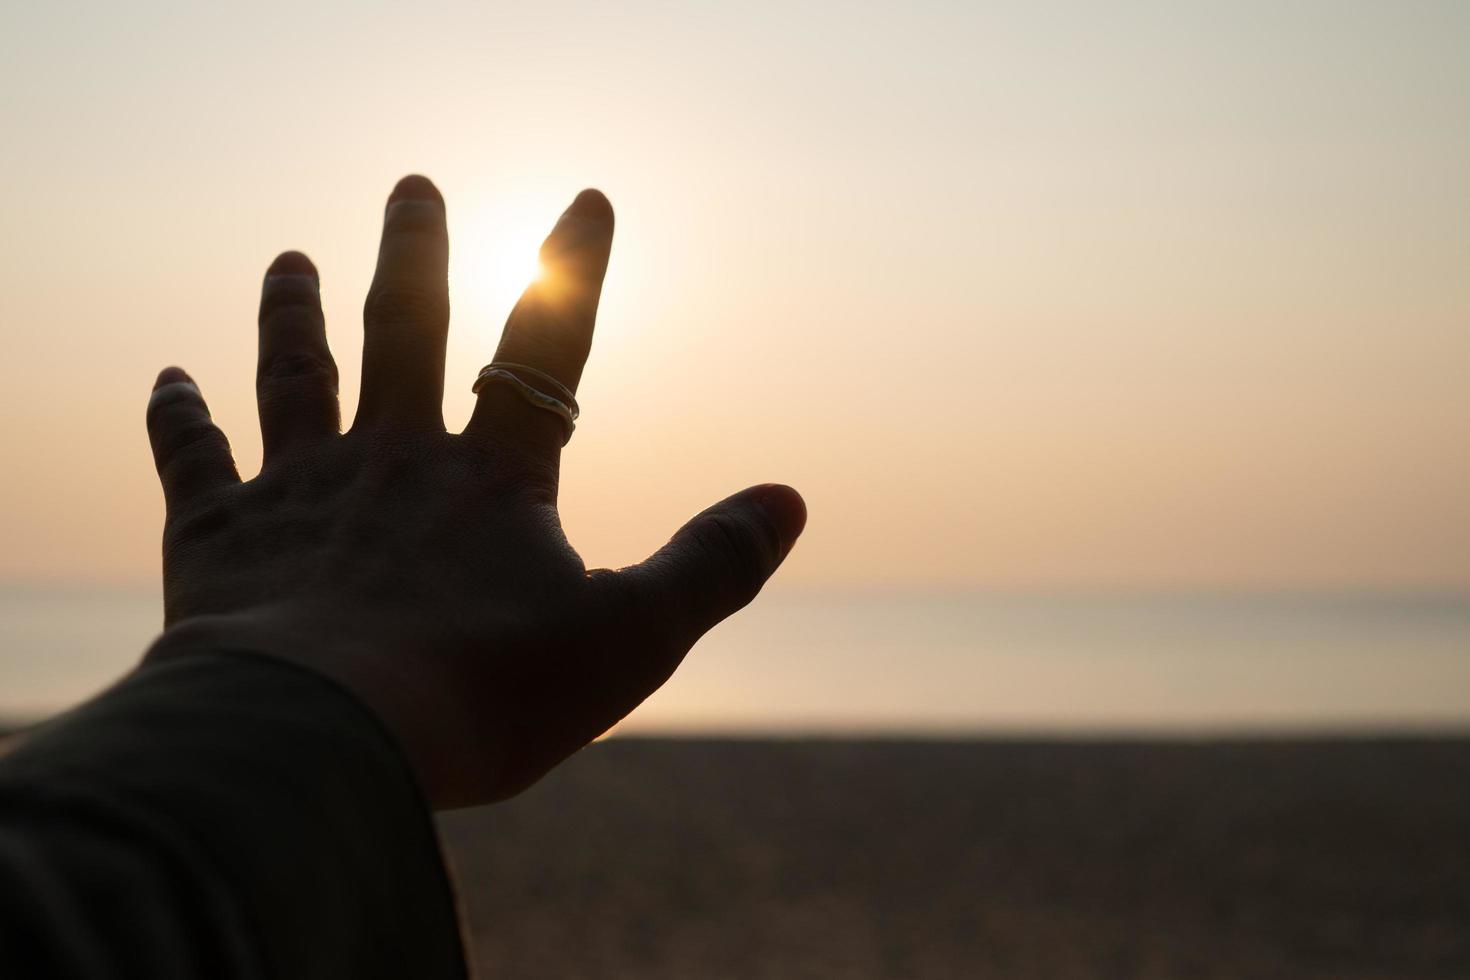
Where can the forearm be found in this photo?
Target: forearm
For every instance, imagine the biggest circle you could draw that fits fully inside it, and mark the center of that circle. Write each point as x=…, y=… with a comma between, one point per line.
x=220, y=815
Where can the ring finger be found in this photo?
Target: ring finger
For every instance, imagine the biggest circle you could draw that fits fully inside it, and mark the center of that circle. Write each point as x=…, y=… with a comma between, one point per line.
x=550, y=329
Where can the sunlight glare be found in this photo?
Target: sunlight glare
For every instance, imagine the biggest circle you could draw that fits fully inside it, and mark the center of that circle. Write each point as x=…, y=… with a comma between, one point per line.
x=493, y=258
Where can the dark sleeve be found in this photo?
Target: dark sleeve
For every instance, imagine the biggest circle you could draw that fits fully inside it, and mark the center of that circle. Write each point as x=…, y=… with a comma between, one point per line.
x=224, y=816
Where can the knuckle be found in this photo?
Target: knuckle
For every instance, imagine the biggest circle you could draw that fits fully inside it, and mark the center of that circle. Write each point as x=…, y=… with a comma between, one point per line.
x=544, y=330
x=401, y=303
x=190, y=438
x=509, y=467
x=204, y=519
x=290, y=296
x=737, y=545
x=414, y=216
x=297, y=368
x=170, y=401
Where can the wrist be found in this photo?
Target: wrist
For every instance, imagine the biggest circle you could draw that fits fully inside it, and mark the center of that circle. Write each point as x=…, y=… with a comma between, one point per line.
x=374, y=673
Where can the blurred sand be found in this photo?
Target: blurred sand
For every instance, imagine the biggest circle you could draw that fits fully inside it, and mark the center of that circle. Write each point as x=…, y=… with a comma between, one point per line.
x=836, y=859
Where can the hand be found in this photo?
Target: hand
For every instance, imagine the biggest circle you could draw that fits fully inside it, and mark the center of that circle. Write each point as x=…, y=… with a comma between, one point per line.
x=427, y=571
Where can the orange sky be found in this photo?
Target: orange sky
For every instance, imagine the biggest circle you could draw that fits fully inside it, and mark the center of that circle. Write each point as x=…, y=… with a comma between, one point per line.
x=1026, y=299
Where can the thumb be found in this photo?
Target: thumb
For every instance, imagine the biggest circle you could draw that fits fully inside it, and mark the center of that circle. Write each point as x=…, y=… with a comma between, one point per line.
x=717, y=562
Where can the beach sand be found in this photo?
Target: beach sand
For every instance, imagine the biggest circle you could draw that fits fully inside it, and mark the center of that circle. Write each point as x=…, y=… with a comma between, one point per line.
x=834, y=859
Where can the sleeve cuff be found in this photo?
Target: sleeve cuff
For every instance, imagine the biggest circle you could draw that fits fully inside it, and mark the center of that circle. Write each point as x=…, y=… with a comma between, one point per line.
x=297, y=801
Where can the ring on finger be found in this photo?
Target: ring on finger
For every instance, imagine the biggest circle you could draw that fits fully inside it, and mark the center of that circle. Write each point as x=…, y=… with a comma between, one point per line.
x=562, y=404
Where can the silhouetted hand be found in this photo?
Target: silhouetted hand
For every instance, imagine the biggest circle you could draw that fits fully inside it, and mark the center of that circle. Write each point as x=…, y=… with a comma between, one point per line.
x=428, y=571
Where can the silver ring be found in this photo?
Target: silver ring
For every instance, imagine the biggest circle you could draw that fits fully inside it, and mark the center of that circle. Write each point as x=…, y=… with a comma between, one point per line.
x=563, y=393
x=504, y=372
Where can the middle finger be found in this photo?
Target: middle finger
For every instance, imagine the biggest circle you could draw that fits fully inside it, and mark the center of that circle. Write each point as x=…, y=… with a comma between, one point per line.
x=406, y=316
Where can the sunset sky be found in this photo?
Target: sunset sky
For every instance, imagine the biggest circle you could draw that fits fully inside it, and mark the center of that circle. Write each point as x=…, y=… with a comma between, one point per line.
x=1041, y=296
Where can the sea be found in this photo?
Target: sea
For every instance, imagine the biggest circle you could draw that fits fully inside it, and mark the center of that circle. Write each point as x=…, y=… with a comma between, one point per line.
x=844, y=664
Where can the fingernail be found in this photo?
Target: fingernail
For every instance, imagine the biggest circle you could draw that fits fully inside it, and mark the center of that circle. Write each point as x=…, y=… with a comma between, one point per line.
x=591, y=205
x=785, y=509
x=291, y=264
x=587, y=221
x=172, y=375
x=415, y=188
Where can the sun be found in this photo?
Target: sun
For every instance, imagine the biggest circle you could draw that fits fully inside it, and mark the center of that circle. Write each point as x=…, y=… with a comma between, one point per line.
x=493, y=258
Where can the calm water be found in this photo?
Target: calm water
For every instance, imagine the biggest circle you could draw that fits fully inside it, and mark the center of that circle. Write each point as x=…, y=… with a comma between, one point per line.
x=846, y=663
